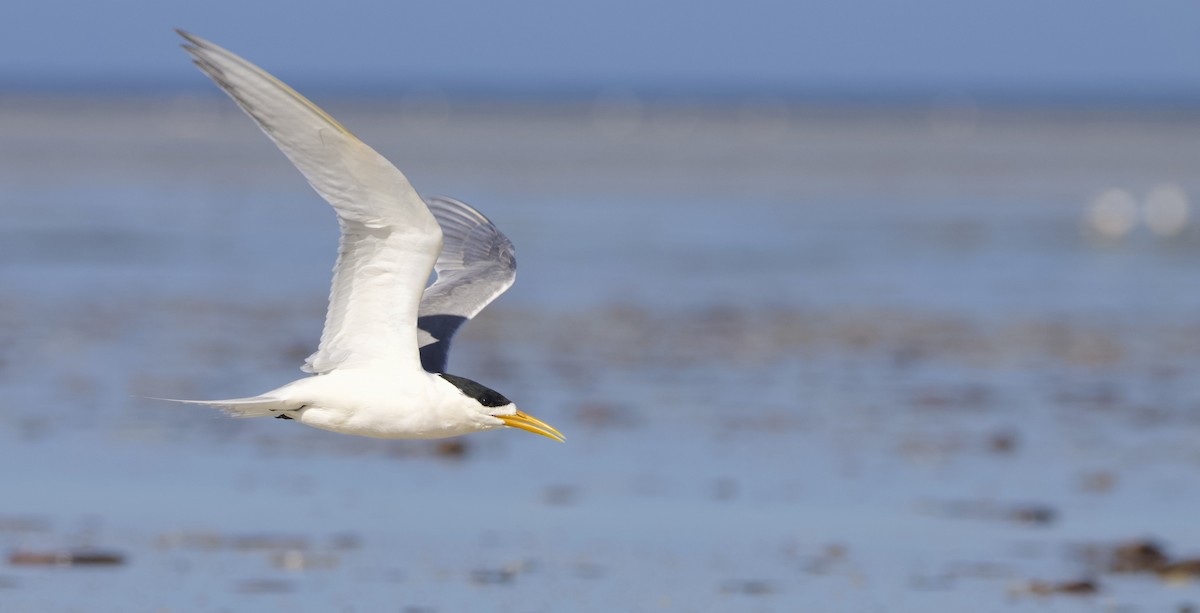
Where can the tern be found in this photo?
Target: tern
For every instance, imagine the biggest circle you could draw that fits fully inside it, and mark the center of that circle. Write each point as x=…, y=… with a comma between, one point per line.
x=379, y=370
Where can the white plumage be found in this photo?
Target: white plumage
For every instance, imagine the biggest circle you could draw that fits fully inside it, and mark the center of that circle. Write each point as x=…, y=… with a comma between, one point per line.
x=368, y=375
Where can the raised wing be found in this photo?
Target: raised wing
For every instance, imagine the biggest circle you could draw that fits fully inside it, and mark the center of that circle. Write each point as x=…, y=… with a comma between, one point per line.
x=477, y=264
x=389, y=238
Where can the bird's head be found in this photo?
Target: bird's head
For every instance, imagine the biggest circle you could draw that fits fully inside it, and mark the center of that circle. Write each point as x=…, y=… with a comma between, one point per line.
x=493, y=405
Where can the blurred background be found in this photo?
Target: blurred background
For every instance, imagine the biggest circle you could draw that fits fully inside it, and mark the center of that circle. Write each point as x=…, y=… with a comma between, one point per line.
x=842, y=306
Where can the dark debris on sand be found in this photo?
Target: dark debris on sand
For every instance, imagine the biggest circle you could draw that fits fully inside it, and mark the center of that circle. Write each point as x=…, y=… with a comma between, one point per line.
x=1140, y=556
x=1082, y=587
x=747, y=587
x=264, y=586
x=66, y=558
x=493, y=576
x=1033, y=514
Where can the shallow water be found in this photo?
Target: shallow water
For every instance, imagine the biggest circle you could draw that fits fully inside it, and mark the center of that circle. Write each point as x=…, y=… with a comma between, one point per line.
x=827, y=360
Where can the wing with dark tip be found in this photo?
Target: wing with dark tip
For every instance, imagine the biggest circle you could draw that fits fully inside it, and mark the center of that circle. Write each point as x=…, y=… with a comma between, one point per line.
x=476, y=265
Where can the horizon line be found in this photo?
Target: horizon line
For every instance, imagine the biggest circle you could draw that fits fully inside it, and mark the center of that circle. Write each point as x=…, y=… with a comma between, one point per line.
x=681, y=91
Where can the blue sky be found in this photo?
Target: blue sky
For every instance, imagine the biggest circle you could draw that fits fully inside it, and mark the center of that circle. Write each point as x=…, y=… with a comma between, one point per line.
x=940, y=45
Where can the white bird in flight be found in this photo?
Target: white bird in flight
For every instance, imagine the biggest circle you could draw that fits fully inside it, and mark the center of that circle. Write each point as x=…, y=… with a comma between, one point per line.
x=379, y=370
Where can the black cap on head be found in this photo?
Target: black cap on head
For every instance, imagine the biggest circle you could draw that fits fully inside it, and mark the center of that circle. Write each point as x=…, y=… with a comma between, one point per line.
x=486, y=396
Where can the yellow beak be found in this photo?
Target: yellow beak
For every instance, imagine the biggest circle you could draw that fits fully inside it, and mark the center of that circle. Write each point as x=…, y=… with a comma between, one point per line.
x=529, y=423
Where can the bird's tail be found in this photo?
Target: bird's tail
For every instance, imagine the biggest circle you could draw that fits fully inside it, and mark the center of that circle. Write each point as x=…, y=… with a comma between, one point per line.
x=255, y=406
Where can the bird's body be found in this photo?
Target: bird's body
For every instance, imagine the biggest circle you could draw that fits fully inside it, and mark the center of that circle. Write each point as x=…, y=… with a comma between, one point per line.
x=371, y=402
x=379, y=369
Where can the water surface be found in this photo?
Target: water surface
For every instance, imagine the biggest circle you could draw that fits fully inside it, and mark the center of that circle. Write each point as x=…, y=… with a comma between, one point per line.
x=806, y=359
